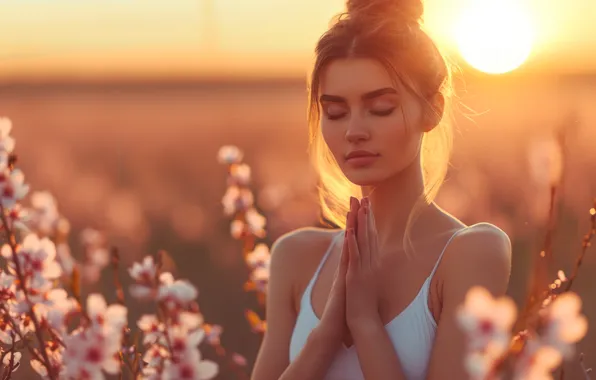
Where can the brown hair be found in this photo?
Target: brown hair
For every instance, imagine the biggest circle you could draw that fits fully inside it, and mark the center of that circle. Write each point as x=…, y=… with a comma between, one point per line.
x=390, y=32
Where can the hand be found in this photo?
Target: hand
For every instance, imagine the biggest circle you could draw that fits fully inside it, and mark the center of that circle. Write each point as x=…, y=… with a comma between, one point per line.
x=333, y=321
x=362, y=285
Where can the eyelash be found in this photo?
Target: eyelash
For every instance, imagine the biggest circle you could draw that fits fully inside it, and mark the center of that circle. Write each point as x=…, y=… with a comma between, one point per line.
x=377, y=113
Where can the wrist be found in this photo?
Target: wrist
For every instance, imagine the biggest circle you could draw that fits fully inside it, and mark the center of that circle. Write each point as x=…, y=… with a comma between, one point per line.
x=365, y=325
x=325, y=336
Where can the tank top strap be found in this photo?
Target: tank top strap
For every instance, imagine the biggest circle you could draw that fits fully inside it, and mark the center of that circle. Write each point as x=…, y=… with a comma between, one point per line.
x=432, y=273
x=323, y=260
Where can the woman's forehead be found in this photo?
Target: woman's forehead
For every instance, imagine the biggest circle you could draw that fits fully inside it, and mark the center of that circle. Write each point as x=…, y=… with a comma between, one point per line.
x=355, y=76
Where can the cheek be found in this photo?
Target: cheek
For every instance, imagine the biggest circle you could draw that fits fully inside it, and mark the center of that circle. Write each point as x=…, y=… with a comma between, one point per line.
x=332, y=135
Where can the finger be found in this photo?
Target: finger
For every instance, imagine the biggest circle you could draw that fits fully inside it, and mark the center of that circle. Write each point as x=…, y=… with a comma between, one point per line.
x=354, y=206
x=372, y=235
x=362, y=234
x=354, y=263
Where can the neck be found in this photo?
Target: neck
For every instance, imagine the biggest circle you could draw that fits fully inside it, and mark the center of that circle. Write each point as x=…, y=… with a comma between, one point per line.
x=391, y=203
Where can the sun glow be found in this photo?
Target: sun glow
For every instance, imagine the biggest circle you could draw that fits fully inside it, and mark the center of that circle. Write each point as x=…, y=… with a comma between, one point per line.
x=494, y=36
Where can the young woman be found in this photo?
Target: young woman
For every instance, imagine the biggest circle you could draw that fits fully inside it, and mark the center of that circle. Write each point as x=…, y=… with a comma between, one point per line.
x=377, y=299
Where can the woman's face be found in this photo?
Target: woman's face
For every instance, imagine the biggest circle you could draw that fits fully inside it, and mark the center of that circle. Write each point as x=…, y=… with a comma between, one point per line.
x=372, y=127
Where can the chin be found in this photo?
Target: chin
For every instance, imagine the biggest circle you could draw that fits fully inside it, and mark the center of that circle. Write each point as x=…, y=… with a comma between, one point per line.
x=365, y=177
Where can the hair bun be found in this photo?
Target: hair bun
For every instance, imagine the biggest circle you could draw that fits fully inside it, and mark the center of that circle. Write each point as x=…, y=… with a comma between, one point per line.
x=408, y=11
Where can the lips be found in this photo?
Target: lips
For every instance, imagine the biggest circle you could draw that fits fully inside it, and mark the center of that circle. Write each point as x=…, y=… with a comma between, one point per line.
x=360, y=154
x=361, y=159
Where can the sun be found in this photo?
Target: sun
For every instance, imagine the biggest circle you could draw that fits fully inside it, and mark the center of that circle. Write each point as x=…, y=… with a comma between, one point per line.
x=494, y=36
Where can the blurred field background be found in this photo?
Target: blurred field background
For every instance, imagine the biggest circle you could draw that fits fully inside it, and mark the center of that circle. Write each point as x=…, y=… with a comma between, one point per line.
x=119, y=109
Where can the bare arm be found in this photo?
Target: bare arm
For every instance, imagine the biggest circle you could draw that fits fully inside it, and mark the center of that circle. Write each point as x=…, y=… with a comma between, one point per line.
x=273, y=359
x=376, y=353
x=480, y=256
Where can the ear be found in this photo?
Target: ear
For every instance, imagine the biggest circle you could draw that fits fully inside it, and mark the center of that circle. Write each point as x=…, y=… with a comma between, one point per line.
x=434, y=112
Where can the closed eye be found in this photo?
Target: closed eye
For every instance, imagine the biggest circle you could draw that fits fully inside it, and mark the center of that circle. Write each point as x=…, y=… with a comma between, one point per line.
x=334, y=111
x=385, y=112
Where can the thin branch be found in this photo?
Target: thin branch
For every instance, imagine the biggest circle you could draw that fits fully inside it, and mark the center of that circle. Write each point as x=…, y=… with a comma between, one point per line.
x=586, y=243
x=13, y=246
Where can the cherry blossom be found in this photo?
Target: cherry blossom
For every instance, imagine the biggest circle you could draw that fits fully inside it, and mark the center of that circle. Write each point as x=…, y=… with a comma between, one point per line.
x=37, y=260
x=111, y=318
x=259, y=257
x=15, y=358
x=43, y=216
x=229, y=155
x=487, y=321
x=144, y=274
x=237, y=199
x=12, y=187
x=240, y=175
x=151, y=327
x=564, y=325
x=177, y=294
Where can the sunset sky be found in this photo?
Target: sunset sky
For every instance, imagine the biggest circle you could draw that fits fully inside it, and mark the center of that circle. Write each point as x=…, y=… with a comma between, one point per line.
x=177, y=38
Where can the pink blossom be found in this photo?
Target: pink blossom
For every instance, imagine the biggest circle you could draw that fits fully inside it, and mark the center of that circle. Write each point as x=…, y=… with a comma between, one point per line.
x=88, y=352
x=487, y=321
x=213, y=334
x=37, y=260
x=65, y=259
x=59, y=306
x=16, y=360
x=256, y=222
x=237, y=228
x=12, y=187
x=43, y=215
x=565, y=325
x=177, y=294
x=237, y=199
x=536, y=362
x=7, y=287
x=151, y=327
x=56, y=361
x=229, y=155
x=7, y=143
x=260, y=277
x=239, y=359
x=259, y=257
x=189, y=321
x=240, y=175
x=144, y=274
x=183, y=341
x=111, y=317
x=191, y=367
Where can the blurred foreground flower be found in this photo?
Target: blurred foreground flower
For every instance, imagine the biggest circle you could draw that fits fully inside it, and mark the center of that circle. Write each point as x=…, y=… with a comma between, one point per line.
x=487, y=324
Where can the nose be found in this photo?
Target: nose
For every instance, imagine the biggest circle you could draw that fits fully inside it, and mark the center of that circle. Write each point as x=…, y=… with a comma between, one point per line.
x=357, y=131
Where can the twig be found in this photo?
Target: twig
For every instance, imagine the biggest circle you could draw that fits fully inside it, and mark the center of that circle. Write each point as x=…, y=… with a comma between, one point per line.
x=115, y=268
x=585, y=371
x=13, y=246
x=586, y=243
x=537, y=293
x=10, y=363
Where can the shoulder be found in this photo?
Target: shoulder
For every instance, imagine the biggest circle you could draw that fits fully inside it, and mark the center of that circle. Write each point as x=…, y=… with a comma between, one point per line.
x=300, y=248
x=479, y=255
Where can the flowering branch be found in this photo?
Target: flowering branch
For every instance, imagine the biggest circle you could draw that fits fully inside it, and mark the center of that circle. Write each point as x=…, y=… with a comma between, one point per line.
x=31, y=314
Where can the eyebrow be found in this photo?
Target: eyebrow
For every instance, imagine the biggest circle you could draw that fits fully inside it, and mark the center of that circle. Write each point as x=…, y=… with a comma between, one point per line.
x=367, y=96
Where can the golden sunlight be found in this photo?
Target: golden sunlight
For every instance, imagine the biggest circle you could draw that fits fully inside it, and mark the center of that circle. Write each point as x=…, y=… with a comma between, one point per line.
x=494, y=36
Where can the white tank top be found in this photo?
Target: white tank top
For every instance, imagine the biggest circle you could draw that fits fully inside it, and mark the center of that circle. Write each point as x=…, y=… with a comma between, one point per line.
x=412, y=331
